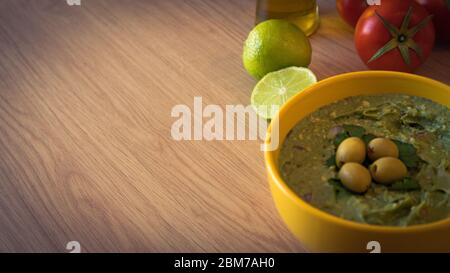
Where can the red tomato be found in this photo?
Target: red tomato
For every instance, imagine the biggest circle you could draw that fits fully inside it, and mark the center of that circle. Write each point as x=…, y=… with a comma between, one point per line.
x=441, y=11
x=386, y=41
x=351, y=10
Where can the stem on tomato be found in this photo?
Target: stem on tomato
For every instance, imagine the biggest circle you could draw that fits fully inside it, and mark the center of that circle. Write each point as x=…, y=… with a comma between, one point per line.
x=401, y=38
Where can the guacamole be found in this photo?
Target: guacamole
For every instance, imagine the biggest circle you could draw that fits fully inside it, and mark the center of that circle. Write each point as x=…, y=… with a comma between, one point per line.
x=419, y=127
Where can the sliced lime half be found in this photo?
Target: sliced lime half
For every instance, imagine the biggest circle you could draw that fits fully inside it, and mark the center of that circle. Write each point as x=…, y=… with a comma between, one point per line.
x=274, y=89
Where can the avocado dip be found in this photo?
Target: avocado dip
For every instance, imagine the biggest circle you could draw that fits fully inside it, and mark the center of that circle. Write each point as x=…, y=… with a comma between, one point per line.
x=420, y=128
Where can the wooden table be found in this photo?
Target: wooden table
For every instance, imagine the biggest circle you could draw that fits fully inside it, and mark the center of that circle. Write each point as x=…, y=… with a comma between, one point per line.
x=85, y=116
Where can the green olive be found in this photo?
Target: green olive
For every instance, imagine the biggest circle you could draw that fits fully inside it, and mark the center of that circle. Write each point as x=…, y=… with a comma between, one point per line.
x=355, y=177
x=352, y=149
x=381, y=147
x=387, y=170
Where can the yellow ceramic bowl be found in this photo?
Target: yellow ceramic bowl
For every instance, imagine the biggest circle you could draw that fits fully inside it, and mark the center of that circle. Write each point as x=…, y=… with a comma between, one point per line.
x=322, y=232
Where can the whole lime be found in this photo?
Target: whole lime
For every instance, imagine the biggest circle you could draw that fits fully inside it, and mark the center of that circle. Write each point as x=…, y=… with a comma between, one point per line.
x=273, y=45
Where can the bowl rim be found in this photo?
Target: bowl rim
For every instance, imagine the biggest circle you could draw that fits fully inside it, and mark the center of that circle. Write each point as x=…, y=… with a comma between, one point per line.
x=272, y=165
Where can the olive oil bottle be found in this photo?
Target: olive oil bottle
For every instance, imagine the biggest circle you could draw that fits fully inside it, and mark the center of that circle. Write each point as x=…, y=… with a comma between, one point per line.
x=303, y=13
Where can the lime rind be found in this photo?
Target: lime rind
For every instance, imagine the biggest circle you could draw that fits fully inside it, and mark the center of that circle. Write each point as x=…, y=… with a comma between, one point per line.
x=273, y=45
x=276, y=88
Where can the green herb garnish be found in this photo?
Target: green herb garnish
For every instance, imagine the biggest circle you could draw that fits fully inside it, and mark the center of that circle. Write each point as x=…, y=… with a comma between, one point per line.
x=339, y=138
x=408, y=154
x=407, y=184
x=331, y=161
x=339, y=189
x=354, y=130
x=368, y=138
x=349, y=131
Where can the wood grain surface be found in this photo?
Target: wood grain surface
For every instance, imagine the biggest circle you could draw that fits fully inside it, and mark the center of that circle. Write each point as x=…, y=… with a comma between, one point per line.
x=85, y=115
